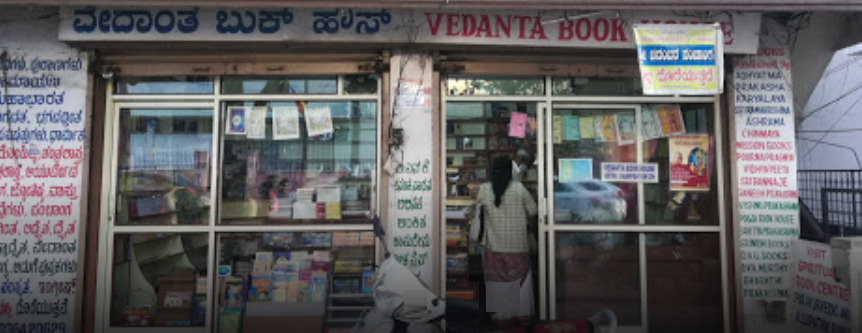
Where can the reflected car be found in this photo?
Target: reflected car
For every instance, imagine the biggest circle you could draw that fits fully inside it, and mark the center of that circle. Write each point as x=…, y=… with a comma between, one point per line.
x=589, y=201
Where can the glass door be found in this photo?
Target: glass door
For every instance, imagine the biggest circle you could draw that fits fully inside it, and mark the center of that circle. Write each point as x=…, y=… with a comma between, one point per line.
x=593, y=262
x=633, y=215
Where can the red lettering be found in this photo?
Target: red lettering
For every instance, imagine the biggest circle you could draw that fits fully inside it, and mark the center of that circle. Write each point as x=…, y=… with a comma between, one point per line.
x=504, y=26
x=522, y=25
x=452, y=21
x=566, y=30
x=580, y=30
x=433, y=25
x=484, y=25
x=602, y=30
x=618, y=32
x=538, y=29
x=468, y=23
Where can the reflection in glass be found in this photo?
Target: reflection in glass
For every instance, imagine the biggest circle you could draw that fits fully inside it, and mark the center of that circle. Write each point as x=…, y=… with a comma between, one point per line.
x=597, y=86
x=163, y=166
x=596, y=270
x=174, y=85
x=323, y=178
x=662, y=205
x=159, y=280
x=684, y=282
x=495, y=85
x=280, y=85
x=583, y=140
x=360, y=85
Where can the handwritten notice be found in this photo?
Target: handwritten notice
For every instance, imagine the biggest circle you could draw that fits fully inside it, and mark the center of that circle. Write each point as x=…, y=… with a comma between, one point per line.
x=767, y=190
x=820, y=304
x=630, y=172
x=518, y=125
x=411, y=211
x=42, y=159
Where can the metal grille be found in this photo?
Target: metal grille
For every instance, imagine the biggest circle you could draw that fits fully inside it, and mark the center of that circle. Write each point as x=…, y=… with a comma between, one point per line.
x=841, y=210
x=812, y=182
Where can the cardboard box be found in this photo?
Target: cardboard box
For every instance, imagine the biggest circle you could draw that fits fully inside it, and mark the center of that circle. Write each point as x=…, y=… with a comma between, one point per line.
x=305, y=324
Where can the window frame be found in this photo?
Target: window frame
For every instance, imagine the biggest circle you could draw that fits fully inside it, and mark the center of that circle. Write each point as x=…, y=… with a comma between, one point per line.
x=108, y=228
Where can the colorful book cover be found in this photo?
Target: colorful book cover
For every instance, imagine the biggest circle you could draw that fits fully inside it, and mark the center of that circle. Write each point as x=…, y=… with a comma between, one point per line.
x=320, y=266
x=571, y=128
x=605, y=128
x=280, y=283
x=137, y=316
x=233, y=291
x=671, y=119
x=262, y=263
x=518, y=125
x=318, y=286
x=230, y=320
x=651, y=129
x=367, y=284
x=199, y=309
x=588, y=128
x=282, y=259
x=557, y=134
x=261, y=288
x=178, y=299
x=625, y=123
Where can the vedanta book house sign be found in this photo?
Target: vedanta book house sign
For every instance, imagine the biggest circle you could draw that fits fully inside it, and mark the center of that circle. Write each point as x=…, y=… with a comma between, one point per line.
x=679, y=59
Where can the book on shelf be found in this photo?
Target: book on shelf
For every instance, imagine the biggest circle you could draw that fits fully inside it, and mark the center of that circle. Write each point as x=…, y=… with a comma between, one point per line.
x=230, y=320
x=260, y=288
x=137, y=316
x=233, y=291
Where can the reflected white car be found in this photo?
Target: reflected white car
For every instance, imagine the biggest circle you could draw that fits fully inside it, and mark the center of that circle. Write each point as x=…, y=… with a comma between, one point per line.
x=589, y=201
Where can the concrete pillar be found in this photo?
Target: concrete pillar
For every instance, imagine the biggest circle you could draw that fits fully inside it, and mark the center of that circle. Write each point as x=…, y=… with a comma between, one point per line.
x=847, y=260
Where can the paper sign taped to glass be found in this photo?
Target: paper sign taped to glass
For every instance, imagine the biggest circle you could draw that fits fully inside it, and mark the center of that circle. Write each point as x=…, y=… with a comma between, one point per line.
x=689, y=162
x=679, y=59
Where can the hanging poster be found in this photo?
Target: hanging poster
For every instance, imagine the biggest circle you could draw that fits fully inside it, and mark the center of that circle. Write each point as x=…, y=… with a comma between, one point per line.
x=625, y=122
x=689, y=165
x=671, y=119
x=256, y=123
x=518, y=125
x=236, y=120
x=651, y=128
x=680, y=59
x=318, y=120
x=285, y=123
x=557, y=125
x=575, y=169
x=588, y=128
x=571, y=128
x=605, y=128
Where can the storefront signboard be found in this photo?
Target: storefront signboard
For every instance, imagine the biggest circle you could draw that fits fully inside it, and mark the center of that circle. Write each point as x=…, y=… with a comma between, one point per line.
x=630, y=172
x=42, y=162
x=820, y=304
x=680, y=59
x=397, y=25
x=767, y=194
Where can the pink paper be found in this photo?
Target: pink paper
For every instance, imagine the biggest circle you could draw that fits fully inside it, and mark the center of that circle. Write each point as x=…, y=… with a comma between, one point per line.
x=518, y=125
x=321, y=256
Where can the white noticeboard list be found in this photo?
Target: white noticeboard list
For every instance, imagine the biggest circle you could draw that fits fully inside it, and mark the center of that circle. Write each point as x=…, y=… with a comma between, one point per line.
x=42, y=161
x=767, y=191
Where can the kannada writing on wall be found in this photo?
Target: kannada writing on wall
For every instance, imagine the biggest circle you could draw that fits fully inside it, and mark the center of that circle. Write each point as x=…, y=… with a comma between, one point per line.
x=767, y=190
x=42, y=133
x=411, y=185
